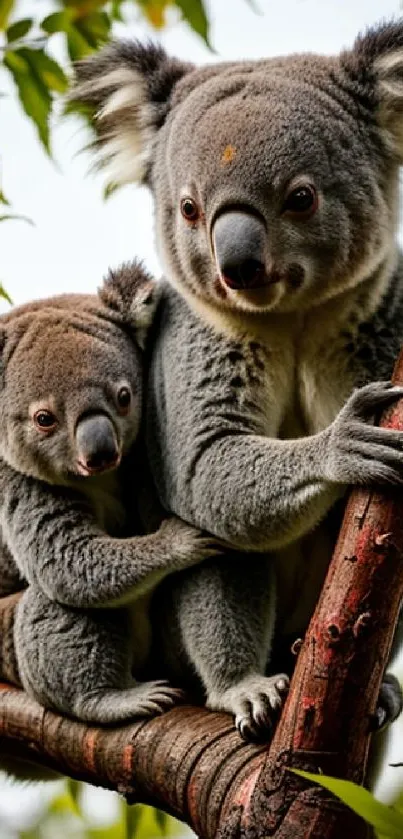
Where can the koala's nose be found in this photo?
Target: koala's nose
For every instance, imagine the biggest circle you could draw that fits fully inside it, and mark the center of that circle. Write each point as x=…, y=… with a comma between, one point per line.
x=97, y=446
x=239, y=240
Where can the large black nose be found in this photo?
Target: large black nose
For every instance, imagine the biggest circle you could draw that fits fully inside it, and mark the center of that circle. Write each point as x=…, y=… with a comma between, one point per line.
x=97, y=446
x=239, y=240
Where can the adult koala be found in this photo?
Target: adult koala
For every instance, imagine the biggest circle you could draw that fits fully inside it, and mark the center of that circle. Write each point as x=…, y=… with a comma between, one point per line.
x=276, y=191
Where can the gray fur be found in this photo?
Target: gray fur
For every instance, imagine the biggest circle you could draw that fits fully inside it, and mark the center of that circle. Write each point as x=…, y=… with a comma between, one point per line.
x=82, y=626
x=254, y=424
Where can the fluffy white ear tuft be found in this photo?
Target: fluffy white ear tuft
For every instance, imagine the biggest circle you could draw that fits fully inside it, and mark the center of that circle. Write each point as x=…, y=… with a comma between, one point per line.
x=126, y=89
x=125, y=122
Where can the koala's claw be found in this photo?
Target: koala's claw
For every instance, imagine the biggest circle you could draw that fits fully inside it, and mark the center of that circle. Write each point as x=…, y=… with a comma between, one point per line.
x=255, y=702
x=159, y=696
x=143, y=699
x=390, y=702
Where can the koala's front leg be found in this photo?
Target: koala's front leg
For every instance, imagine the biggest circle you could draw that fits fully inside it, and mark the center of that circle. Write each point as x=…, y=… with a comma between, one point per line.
x=58, y=547
x=260, y=493
x=221, y=616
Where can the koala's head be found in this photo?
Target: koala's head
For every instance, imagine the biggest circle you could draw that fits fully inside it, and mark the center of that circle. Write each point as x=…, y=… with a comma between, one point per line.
x=275, y=181
x=71, y=379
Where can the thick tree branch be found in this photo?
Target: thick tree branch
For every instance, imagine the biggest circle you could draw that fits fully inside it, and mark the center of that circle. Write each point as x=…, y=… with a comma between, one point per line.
x=192, y=763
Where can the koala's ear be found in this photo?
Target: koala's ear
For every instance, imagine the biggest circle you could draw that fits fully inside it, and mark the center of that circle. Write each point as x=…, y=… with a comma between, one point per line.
x=133, y=294
x=127, y=88
x=376, y=65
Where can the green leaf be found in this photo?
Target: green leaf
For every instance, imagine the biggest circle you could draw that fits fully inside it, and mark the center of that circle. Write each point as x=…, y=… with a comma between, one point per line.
x=6, y=7
x=95, y=28
x=19, y=29
x=16, y=217
x=4, y=294
x=133, y=814
x=161, y=819
x=194, y=13
x=116, y=13
x=384, y=819
x=3, y=199
x=77, y=44
x=58, y=21
x=74, y=791
x=34, y=96
x=47, y=70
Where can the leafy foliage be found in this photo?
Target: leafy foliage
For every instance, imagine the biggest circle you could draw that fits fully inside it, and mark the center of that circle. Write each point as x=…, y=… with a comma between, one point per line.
x=26, y=43
x=64, y=816
x=83, y=26
x=387, y=821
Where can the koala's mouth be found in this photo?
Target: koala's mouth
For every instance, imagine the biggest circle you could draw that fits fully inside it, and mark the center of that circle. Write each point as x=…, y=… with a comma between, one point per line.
x=250, y=275
x=255, y=277
x=107, y=464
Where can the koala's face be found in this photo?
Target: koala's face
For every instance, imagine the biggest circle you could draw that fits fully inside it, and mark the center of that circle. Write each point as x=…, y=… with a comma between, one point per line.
x=270, y=191
x=275, y=181
x=71, y=388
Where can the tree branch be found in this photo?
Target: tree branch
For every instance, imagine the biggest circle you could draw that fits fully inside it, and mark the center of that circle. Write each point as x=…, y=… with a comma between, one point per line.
x=192, y=763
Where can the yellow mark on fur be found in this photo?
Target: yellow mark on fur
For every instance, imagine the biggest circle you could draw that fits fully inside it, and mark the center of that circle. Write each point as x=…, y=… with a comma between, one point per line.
x=228, y=155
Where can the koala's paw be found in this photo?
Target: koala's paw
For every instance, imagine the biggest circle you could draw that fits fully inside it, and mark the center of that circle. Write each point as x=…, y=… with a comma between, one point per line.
x=144, y=699
x=254, y=702
x=390, y=702
x=188, y=545
x=156, y=697
x=359, y=452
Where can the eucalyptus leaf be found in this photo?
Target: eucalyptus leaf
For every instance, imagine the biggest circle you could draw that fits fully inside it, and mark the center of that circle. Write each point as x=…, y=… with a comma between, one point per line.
x=58, y=21
x=133, y=815
x=95, y=28
x=19, y=29
x=154, y=11
x=161, y=819
x=47, y=70
x=4, y=294
x=386, y=820
x=34, y=96
x=6, y=7
x=77, y=44
x=16, y=217
x=194, y=13
x=74, y=791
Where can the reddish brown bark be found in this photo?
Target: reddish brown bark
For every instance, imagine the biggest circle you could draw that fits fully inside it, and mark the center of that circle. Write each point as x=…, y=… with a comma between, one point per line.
x=192, y=763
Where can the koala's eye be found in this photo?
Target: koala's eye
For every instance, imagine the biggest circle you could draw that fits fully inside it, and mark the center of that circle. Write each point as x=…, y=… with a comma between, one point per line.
x=301, y=202
x=124, y=398
x=189, y=209
x=45, y=420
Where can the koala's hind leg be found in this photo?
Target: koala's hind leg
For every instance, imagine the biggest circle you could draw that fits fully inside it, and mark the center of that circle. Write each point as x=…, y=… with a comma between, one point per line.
x=79, y=662
x=217, y=623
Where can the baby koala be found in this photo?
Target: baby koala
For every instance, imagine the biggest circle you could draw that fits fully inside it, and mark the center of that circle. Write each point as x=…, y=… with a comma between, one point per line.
x=70, y=480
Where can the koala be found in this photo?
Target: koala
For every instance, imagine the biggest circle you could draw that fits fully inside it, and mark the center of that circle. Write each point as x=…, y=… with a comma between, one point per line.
x=71, y=477
x=276, y=201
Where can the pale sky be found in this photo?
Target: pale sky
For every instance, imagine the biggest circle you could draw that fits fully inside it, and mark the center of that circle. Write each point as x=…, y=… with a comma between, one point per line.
x=77, y=235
